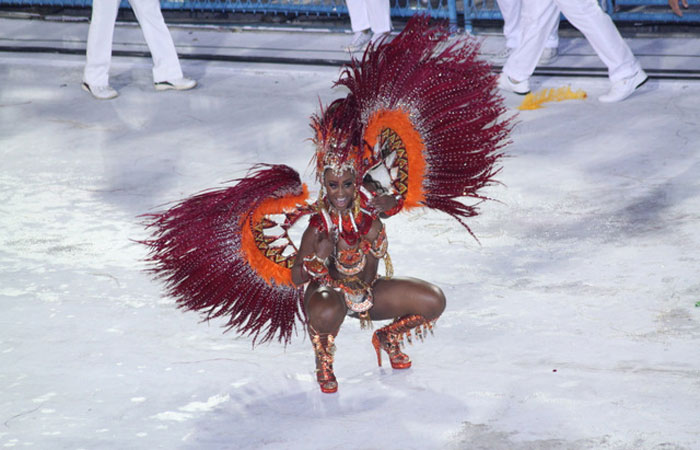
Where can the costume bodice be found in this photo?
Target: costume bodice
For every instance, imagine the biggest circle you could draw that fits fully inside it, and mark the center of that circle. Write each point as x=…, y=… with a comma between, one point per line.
x=350, y=231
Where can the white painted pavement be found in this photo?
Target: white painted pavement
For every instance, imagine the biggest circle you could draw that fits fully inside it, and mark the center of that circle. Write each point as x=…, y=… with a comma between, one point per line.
x=572, y=325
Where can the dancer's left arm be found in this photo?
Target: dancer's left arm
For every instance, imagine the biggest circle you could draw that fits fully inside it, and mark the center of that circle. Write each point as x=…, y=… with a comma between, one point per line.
x=370, y=272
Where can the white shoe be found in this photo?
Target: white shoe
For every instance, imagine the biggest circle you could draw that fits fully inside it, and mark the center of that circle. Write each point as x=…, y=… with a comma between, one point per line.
x=100, y=92
x=502, y=56
x=622, y=89
x=379, y=37
x=359, y=41
x=181, y=84
x=549, y=55
x=517, y=87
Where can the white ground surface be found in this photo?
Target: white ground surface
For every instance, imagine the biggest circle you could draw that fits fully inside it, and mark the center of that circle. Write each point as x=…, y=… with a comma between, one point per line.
x=572, y=325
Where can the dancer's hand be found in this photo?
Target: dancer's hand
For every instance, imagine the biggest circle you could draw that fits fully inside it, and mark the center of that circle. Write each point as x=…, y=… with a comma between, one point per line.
x=323, y=246
x=676, y=8
x=383, y=202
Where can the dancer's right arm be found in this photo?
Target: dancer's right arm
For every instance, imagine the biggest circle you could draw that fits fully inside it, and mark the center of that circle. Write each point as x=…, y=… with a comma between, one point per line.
x=314, y=241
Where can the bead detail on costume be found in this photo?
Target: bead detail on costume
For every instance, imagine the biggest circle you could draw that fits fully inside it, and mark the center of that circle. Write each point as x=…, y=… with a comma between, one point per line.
x=315, y=266
x=357, y=294
x=350, y=261
x=348, y=224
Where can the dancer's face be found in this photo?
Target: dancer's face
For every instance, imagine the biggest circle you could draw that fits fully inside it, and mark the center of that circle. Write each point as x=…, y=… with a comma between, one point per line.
x=340, y=190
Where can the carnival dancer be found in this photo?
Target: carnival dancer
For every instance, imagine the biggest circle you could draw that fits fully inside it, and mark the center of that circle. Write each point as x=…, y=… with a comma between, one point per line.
x=339, y=257
x=423, y=109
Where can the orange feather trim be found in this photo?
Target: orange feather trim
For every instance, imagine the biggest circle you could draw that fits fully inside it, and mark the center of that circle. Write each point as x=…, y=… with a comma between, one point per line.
x=400, y=121
x=263, y=266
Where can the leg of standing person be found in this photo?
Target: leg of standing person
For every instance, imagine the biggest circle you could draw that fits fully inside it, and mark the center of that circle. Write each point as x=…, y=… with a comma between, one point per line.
x=360, y=24
x=553, y=38
x=379, y=12
x=624, y=71
x=551, y=46
x=370, y=20
x=98, y=54
x=538, y=19
x=167, y=73
x=512, y=31
x=510, y=10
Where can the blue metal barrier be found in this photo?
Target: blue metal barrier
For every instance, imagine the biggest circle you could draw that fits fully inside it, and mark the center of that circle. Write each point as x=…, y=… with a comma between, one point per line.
x=442, y=9
x=647, y=11
x=400, y=8
x=656, y=11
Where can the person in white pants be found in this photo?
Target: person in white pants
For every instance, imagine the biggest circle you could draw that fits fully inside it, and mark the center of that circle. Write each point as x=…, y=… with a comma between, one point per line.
x=513, y=30
x=167, y=73
x=624, y=71
x=370, y=20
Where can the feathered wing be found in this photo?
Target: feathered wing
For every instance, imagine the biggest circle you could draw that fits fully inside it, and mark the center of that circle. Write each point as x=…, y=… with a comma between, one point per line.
x=217, y=255
x=431, y=114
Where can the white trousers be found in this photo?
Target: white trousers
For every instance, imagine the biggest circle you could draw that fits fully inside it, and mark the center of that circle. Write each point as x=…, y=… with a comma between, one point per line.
x=538, y=17
x=372, y=14
x=166, y=65
x=512, y=26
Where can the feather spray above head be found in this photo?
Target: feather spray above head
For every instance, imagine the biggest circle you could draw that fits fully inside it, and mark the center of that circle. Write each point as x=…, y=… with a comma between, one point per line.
x=430, y=103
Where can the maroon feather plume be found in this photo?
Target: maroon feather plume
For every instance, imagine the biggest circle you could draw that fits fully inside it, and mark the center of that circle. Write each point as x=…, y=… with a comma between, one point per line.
x=196, y=250
x=453, y=102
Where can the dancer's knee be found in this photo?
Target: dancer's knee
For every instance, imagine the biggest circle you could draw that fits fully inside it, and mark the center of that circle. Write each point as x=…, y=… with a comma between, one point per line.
x=325, y=311
x=435, y=302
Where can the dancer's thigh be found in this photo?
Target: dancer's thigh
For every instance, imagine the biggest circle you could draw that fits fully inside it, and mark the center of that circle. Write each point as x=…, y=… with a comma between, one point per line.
x=397, y=297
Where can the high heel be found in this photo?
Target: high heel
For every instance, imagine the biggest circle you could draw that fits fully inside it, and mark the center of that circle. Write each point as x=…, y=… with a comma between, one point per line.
x=390, y=345
x=324, y=347
x=390, y=338
x=377, y=348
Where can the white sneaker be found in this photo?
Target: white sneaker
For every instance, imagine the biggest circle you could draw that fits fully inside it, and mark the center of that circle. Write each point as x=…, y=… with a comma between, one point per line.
x=502, y=56
x=622, y=89
x=181, y=84
x=359, y=41
x=549, y=55
x=100, y=92
x=517, y=87
x=379, y=37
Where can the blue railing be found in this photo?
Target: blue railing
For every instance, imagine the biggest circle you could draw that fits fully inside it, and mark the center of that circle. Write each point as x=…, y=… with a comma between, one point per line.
x=442, y=9
x=651, y=11
x=647, y=11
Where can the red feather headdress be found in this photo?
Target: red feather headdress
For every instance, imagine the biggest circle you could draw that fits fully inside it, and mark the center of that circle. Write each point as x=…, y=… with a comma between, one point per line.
x=429, y=110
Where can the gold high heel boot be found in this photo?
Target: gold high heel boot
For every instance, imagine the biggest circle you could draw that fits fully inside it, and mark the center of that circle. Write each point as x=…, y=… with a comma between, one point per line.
x=324, y=347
